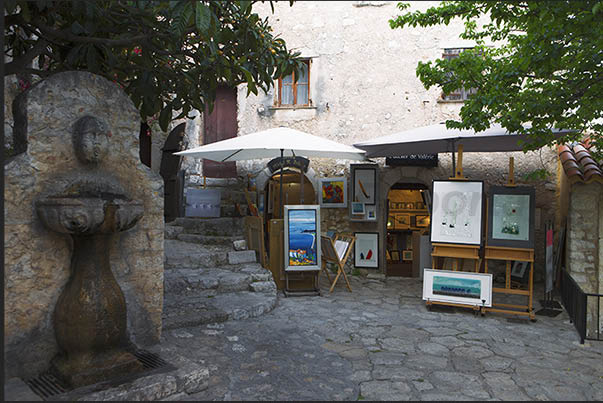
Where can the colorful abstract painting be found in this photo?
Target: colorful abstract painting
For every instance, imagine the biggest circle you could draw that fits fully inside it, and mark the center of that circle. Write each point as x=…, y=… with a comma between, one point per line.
x=333, y=192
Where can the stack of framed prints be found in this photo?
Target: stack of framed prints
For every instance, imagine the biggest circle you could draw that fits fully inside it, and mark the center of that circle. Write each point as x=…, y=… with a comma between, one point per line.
x=456, y=221
x=510, y=237
x=364, y=192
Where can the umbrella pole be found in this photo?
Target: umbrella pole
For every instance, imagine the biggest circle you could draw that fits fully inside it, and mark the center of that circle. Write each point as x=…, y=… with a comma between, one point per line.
x=280, y=199
x=301, y=177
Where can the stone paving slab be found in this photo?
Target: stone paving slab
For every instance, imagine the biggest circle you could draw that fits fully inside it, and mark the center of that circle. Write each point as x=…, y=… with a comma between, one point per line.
x=381, y=343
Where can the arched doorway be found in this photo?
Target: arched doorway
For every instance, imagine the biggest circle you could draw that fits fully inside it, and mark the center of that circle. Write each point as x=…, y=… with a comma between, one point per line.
x=407, y=229
x=295, y=191
x=173, y=176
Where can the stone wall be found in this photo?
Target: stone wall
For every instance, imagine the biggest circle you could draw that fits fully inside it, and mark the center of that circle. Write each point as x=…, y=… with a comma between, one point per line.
x=37, y=261
x=584, y=251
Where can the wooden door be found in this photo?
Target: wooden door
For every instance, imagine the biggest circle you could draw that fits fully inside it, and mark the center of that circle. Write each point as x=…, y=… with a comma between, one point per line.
x=173, y=179
x=221, y=124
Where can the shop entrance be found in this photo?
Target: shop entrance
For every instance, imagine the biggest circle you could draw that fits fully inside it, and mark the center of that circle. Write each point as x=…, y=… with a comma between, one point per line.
x=408, y=219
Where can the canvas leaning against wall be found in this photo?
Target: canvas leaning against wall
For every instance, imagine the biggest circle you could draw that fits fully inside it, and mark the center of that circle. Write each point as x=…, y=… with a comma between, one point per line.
x=457, y=212
x=302, y=246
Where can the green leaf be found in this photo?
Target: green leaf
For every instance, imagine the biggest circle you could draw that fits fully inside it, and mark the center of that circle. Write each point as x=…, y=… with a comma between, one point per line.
x=202, y=17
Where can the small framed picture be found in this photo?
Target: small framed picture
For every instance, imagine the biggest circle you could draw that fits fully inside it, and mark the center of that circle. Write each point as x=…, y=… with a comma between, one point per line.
x=422, y=221
x=409, y=206
x=420, y=205
x=333, y=192
x=366, y=250
x=357, y=208
x=395, y=255
x=407, y=255
x=402, y=221
x=519, y=270
x=371, y=212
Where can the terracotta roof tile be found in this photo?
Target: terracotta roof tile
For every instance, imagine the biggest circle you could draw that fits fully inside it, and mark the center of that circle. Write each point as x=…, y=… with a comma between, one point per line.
x=578, y=162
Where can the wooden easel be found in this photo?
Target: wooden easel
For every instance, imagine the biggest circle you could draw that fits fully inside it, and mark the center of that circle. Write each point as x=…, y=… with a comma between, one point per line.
x=330, y=255
x=508, y=255
x=458, y=252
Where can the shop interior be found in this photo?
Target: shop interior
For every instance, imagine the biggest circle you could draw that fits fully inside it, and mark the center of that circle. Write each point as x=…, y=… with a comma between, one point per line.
x=408, y=221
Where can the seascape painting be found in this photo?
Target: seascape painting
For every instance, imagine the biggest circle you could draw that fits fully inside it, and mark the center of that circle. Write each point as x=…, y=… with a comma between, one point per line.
x=457, y=287
x=301, y=238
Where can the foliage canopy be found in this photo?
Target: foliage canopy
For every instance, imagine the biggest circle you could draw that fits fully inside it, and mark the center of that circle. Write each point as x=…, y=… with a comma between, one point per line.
x=547, y=70
x=167, y=55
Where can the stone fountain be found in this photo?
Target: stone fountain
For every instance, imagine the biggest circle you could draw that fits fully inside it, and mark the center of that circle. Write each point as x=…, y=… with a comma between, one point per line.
x=90, y=315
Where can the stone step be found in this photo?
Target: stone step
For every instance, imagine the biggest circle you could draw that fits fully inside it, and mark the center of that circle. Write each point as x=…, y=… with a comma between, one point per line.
x=186, y=254
x=222, y=226
x=241, y=256
x=208, y=239
x=236, y=278
x=203, y=309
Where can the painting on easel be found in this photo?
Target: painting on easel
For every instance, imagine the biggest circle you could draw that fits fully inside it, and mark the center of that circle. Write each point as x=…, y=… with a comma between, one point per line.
x=511, y=216
x=457, y=212
x=302, y=226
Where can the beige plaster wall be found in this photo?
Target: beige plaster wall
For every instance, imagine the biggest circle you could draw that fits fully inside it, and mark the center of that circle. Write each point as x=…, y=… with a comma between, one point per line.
x=37, y=261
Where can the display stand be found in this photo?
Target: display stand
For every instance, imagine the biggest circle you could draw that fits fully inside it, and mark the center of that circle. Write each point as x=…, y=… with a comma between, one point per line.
x=508, y=255
x=330, y=254
x=458, y=252
x=301, y=275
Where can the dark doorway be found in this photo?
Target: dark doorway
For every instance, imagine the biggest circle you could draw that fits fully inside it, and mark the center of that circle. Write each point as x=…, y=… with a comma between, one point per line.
x=144, y=141
x=173, y=176
x=221, y=124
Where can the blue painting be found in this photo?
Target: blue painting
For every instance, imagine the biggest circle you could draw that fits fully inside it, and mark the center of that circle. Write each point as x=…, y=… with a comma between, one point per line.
x=302, y=238
x=456, y=287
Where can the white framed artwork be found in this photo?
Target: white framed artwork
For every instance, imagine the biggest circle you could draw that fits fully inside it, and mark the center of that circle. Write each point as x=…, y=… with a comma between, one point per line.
x=302, y=228
x=334, y=192
x=457, y=212
x=366, y=250
x=457, y=287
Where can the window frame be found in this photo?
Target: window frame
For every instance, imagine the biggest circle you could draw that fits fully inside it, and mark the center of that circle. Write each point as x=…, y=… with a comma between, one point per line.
x=278, y=101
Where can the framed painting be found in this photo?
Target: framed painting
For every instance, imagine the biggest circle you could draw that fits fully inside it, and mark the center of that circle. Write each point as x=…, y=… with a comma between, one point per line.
x=395, y=255
x=402, y=221
x=334, y=192
x=511, y=216
x=302, y=246
x=366, y=250
x=519, y=271
x=422, y=221
x=364, y=183
x=371, y=212
x=457, y=287
x=407, y=255
x=457, y=212
x=357, y=208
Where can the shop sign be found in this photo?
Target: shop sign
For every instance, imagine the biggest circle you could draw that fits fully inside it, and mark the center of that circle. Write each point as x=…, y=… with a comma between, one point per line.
x=295, y=162
x=421, y=160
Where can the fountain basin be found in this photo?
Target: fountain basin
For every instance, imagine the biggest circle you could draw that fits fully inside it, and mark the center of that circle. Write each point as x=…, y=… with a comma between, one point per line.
x=82, y=215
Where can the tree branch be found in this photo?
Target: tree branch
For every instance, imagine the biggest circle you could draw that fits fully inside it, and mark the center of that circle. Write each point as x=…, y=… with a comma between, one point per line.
x=21, y=63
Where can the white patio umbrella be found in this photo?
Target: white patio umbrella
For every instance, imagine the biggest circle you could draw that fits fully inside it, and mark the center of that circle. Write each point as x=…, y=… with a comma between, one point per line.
x=437, y=139
x=272, y=143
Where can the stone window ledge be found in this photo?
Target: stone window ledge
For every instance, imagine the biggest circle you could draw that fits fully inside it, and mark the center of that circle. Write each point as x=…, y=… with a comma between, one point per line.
x=275, y=108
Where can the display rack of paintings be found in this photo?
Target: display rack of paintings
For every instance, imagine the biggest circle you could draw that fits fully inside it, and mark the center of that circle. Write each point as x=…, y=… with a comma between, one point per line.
x=334, y=192
x=456, y=221
x=364, y=190
x=366, y=250
x=510, y=238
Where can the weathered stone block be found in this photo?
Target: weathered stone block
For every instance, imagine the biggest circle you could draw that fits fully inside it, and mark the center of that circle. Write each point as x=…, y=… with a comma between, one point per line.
x=239, y=245
x=244, y=256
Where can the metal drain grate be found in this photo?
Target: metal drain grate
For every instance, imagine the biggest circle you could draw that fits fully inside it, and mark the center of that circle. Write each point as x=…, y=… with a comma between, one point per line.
x=46, y=385
x=150, y=360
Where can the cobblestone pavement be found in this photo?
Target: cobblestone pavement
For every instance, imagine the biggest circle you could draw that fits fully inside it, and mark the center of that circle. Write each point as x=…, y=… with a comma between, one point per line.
x=381, y=343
